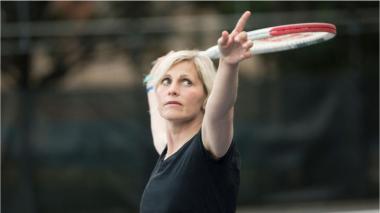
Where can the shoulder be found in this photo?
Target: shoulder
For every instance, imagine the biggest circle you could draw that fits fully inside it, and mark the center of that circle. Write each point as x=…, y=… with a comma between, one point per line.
x=217, y=134
x=231, y=152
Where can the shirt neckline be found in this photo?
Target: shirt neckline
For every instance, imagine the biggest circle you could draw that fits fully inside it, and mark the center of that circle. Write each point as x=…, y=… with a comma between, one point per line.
x=176, y=152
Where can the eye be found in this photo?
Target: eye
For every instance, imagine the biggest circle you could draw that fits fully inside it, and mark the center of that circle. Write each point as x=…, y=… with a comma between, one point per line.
x=166, y=81
x=187, y=82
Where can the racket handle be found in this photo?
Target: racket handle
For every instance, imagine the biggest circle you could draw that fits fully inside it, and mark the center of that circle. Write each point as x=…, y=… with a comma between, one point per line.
x=212, y=52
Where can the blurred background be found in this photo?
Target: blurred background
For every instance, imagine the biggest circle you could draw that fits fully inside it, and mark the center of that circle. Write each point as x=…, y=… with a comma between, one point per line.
x=75, y=132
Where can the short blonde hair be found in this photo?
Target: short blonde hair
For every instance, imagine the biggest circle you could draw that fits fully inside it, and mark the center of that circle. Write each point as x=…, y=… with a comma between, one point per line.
x=205, y=67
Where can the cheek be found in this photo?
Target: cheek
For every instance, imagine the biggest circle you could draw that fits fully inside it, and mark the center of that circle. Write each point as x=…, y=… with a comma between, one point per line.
x=197, y=98
x=159, y=100
x=159, y=95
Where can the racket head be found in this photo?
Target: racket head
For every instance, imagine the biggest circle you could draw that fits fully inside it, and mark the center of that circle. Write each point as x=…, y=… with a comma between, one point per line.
x=284, y=37
x=293, y=36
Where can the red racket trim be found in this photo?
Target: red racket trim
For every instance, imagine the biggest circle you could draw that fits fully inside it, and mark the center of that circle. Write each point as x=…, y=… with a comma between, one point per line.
x=299, y=28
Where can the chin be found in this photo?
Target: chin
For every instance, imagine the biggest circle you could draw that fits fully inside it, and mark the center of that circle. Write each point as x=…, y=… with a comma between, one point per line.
x=173, y=116
x=179, y=117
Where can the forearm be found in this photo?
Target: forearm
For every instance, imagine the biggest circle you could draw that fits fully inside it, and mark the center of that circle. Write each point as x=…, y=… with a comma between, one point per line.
x=157, y=123
x=224, y=92
x=217, y=131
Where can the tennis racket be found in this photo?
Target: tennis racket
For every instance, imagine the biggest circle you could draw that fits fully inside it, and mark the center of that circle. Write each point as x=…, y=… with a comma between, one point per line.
x=284, y=37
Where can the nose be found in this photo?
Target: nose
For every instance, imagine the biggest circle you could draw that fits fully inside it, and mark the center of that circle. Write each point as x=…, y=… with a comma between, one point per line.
x=173, y=89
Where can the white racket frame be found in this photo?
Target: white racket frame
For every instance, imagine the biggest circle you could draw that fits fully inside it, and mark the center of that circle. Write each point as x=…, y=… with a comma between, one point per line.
x=293, y=36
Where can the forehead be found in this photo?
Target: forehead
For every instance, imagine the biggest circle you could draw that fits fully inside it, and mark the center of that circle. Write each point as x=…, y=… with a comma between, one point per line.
x=183, y=68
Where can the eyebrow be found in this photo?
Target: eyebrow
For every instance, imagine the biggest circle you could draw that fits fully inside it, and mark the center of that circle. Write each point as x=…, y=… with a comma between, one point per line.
x=181, y=76
x=184, y=75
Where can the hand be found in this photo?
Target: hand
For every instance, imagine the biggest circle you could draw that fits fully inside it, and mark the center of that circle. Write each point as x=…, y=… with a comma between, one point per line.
x=235, y=47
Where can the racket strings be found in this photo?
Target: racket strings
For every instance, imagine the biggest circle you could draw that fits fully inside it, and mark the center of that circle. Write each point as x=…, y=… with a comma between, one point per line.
x=287, y=42
x=285, y=37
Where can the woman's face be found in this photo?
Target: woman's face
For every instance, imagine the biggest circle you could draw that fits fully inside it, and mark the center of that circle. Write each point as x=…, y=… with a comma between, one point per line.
x=180, y=93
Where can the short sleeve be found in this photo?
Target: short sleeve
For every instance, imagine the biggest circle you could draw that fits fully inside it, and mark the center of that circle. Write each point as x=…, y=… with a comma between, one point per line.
x=209, y=157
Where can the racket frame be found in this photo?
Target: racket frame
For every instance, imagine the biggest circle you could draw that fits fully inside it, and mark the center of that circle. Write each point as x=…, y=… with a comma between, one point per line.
x=321, y=31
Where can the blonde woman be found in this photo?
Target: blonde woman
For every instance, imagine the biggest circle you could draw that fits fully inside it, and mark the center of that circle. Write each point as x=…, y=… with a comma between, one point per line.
x=192, y=109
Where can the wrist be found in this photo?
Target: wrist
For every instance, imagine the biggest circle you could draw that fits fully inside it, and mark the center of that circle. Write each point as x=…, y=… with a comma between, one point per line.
x=224, y=62
x=149, y=88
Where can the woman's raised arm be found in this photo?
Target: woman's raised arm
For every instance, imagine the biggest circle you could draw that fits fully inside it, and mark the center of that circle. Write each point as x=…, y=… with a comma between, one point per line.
x=217, y=126
x=157, y=123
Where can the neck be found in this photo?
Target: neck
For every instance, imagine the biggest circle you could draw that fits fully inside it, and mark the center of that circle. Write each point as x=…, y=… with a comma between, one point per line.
x=178, y=133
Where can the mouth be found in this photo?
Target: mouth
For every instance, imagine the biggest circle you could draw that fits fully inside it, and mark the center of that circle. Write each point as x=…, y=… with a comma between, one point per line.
x=173, y=103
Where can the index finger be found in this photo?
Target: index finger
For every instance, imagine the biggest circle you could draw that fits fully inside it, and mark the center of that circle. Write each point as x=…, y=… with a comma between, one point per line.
x=242, y=21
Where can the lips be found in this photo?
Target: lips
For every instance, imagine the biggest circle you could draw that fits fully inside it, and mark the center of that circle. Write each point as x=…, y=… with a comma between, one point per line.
x=173, y=103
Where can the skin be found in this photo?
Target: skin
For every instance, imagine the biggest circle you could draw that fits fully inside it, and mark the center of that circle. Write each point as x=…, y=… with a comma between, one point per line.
x=173, y=125
x=180, y=96
x=217, y=131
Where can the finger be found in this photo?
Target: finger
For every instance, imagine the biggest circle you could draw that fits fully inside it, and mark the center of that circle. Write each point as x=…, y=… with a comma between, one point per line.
x=242, y=21
x=246, y=55
x=248, y=45
x=241, y=37
x=223, y=39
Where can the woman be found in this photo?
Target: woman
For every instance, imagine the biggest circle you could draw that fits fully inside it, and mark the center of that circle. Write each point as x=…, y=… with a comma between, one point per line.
x=191, y=110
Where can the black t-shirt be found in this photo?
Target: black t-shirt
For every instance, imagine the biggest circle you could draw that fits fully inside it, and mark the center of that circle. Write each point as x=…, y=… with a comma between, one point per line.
x=191, y=180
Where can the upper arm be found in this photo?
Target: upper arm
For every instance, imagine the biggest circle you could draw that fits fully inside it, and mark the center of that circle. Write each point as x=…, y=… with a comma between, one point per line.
x=217, y=133
x=157, y=124
x=217, y=126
